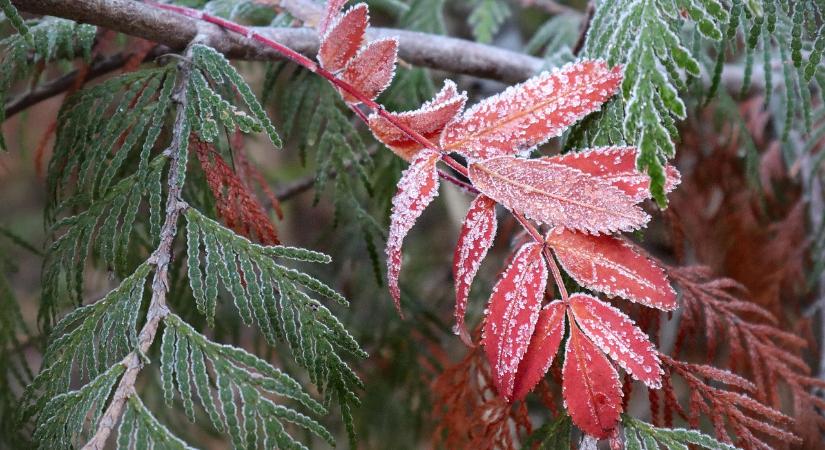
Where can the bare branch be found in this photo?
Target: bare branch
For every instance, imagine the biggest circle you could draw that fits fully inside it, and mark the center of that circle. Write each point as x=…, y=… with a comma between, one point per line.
x=420, y=49
x=60, y=85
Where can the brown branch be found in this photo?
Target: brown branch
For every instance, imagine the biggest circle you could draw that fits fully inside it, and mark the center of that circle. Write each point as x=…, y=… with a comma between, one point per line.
x=160, y=283
x=99, y=67
x=175, y=31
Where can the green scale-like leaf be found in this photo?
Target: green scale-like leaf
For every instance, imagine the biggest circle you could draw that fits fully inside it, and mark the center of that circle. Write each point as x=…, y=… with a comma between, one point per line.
x=239, y=381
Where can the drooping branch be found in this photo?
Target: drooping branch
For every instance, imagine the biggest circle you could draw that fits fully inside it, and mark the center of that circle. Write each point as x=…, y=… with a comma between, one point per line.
x=160, y=258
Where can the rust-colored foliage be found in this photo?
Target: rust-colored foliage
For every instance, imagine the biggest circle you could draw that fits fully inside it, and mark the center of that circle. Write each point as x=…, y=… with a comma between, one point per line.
x=235, y=202
x=732, y=414
x=468, y=412
x=717, y=309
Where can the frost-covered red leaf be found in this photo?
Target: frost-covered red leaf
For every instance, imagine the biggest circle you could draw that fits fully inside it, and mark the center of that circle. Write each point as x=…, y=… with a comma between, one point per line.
x=429, y=121
x=557, y=195
x=613, y=266
x=530, y=113
x=371, y=70
x=618, y=336
x=344, y=38
x=542, y=349
x=590, y=386
x=617, y=165
x=416, y=189
x=331, y=12
x=512, y=313
x=477, y=233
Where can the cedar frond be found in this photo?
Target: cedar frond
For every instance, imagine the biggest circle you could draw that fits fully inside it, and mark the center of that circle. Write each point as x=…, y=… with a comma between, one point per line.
x=756, y=344
x=470, y=414
x=733, y=415
x=234, y=202
x=239, y=382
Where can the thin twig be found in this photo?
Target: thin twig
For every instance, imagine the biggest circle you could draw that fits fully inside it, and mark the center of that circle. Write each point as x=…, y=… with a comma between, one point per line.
x=160, y=258
x=99, y=67
x=585, y=27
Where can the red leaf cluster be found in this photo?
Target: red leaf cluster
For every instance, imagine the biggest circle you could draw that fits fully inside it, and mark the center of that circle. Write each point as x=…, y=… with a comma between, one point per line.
x=369, y=68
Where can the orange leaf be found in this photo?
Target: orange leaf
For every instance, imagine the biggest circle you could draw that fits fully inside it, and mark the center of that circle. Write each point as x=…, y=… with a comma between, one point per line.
x=590, y=387
x=331, y=11
x=345, y=36
x=477, y=233
x=619, y=337
x=556, y=195
x=542, y=349
x=429, y=121
x=371, y=70
x=416, y=189
x=512, y=313
x=616, y=165
x=530, y=113
x=613, y=266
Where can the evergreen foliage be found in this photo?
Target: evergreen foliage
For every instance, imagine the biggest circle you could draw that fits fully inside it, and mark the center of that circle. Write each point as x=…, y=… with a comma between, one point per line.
x=126, y=197
x=39, y=42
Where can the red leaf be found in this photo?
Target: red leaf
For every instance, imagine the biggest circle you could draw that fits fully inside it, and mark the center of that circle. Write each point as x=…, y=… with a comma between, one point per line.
x=613, y=266
x=530, y=113
x=590, y=387
x=542, y=349
x=512, y=313
x=474, y=240
x=343, y=39
x=330, y=13
x=429, y=121
x=372, y=69
x=619, y=337
x=416, y=189
x=556, y=195
x=617, y=165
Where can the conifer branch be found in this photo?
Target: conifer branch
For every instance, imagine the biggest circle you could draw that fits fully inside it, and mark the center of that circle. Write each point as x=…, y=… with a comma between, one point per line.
x=160, y=258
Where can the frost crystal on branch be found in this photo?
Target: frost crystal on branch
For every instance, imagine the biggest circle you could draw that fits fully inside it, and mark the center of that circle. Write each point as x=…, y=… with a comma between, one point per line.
x=416, y=189
x=557, y=195
x=528, y=114
x=512, y=313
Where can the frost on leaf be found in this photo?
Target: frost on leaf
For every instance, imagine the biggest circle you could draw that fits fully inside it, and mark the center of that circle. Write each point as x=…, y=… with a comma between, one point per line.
x=613, y=266
x=557, y=195
x=590, y=386
x=330, y=14
x=530, y=113
x=429, y=121
x=619, y=337
x=474, y=240
x=416, y=189
x=512, y=313
x=542, y=349
x=616, y=165
x=343, y=39
x=372, y=69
